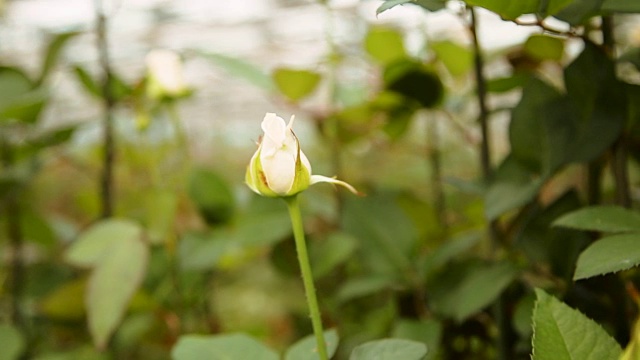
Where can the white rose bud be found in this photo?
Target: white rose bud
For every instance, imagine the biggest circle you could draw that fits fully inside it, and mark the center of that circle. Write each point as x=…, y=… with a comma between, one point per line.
x=166, y=76
x=279, y=168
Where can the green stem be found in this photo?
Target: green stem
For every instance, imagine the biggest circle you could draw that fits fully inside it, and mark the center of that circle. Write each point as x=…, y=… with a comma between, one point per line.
x=307, y=278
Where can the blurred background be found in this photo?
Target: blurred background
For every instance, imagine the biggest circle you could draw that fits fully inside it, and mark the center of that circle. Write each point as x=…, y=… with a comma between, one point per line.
x=386, y=100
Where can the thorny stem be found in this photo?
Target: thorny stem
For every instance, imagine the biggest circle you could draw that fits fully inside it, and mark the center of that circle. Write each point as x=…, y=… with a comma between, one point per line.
x=503, y=343
x=307, y=277
x=106, y=184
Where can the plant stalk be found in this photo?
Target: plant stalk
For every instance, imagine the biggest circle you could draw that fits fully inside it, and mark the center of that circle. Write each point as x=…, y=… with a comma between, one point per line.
x=293, y=205
x=106, y=181
x=505, y=332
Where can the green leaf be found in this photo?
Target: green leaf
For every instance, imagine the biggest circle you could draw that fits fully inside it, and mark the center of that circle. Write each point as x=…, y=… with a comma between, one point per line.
x=242, y=69
x=478, y=288
x=449, y=250
x=389, y=349
x=602, y=218
x=359, y=287
x=306, y=348
x=296, y=84
x=54, y=48
x=579, y=12
x=221, y=347
x=621, y=6
x=90, y=84
x=455, y=57
x=327, y=254
x=112, y=285
x=427, y=331
x=200, y=252
x=385, y=45
x=415, y=81
x=512, y=9
x=212, y=195
x=543, y=47
x=609, y=254
x=514, y=185
x=160, y=214
x=11, y=342
x=92, y=245
x=66, y=303
x=504, y=84
x=562, y=333
x=431, y=5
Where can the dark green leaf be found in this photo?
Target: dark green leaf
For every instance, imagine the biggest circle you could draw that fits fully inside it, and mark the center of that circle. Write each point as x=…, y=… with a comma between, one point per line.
x=477, y=289
x=414, y=81
x=212, y=195
x=621, y=6
x=609, y=254
x=296, y=84
x=602, y=218
x=221, y=347
x=55, y=46
x=562, y=333
x=579, y=12
x=504, y=84
x=327, y=254
x=90, y=84
x=389, y=349
x=449, y=250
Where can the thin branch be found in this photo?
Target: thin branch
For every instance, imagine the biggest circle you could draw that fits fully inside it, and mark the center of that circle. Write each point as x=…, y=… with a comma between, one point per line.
x=106, y=181
x=539, y=22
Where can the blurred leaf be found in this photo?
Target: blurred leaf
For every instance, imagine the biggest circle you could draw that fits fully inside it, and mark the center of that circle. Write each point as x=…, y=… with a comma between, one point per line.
x=448, y=250
x=243, y=70
x=221, y=347
x=95, y=242
x=414, y=81
x=632, y=56
x=90, y=84
x=479, y=287
x=212, y=195
x=66, y=302
x=199, y=252
x=296, y=84
x=456, y=58
x=544, y=47
x=512, y=9
x=580, y=11
x=25, y=108
x=389, y=349
x=112, y=285
x=428, y=331
x=264, y=223
x=359, y=287
x=609, y=254
x=161, y=210
x=599, y=100
x=327, y=254
x=83, y=352
x=355, y=121
x=522, y=316
x=514, y=185
x=55, y=46
x=13, y=84
x=431, y=5
x=621, y=6
x=385, y=246
x=602, y=218
x=531, y=131
x=50, y=138
x=11, y=342
x=36, y=229
x=385, y=45
x=306, y=348
x=560, y=332
x=557, y=248
x=504, y=84
x=632, y=351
